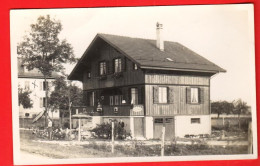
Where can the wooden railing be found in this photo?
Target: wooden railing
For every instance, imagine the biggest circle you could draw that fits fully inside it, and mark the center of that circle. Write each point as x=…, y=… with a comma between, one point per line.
x=120, y=110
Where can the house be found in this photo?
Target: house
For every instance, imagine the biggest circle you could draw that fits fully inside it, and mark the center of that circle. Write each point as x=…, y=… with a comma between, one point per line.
x=33, y=81
x=147, y=84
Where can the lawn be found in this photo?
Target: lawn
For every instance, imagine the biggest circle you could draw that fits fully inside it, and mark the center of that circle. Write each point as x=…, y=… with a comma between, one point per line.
x=102, y=148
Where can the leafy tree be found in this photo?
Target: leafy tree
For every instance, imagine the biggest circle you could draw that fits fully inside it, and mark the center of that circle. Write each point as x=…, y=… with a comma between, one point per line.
x=65, y=94
x=241, y=107
x=222, y=107
x=43, y=50
x=24, y=98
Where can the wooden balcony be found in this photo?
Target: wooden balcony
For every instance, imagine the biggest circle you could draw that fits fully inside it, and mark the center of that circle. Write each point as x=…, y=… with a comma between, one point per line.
x=120, y=110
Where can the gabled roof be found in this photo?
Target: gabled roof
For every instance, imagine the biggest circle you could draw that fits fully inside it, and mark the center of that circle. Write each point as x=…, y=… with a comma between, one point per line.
x=34, y=74
x=145, y=53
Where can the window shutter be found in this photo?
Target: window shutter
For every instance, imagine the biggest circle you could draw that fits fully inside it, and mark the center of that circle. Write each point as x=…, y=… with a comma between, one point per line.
x=155, y=94
x=140, y=95
x=188, y=95
x=201, y=95
x=123, y=63
x=113, y=66
x=129, y=96
x=107, y=67
x=41, y=102
x=170, y=94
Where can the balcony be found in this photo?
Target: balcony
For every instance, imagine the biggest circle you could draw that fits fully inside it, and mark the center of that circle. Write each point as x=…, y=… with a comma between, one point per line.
x=120, y=110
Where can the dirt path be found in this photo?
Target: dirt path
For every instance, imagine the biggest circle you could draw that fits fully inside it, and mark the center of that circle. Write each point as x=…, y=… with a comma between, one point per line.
x=32, y=156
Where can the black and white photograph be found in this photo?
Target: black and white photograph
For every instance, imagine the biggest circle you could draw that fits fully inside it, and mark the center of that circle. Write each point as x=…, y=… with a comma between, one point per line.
x=133, y=84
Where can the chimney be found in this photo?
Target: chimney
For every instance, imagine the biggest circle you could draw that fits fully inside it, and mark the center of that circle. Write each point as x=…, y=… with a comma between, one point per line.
x=159, y=34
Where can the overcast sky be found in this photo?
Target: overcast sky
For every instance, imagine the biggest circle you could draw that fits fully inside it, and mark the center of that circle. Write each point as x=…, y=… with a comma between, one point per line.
x=221, y=33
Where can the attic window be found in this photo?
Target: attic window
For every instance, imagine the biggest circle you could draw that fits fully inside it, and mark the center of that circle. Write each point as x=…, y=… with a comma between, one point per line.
x=169, y=59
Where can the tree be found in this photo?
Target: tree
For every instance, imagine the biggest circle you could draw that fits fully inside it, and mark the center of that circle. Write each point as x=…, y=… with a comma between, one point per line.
x=43, y=50
x=241, y=107
x=65, y=94
x=221, y=107
x=24, y=98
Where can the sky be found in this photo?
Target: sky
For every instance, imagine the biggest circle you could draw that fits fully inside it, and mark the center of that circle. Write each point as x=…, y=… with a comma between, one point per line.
x=223, y=34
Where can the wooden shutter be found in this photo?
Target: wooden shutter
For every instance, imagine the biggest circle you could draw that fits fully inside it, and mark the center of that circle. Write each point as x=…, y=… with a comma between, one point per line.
x=170, y=95
x=188, y=95
x=201, y=95
x=155, y=94
x=123, y=63
x=113, y=66
x=107, y=67
x=141, y=95
x=41, y=102
x=129, y=96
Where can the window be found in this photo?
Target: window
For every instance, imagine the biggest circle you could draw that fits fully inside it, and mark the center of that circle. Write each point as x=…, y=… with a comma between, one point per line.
x=134, y=96
x=88, y=75
x=91, y=98
x=195, y=120
x=27, y=85
x=45, y=85
x=42, y=102
x=111, y=100
x=116, y=100
x=118, y=65
x=158, y=120
x=162, y=95
x=135, y=67
x=102, y=68
x=27, y=114
x=194, y=95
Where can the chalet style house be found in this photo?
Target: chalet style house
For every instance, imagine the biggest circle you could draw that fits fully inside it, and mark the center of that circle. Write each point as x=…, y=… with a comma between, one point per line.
x=147, y=84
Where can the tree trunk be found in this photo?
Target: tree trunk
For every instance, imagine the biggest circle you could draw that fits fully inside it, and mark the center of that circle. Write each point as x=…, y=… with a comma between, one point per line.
x=46, y=100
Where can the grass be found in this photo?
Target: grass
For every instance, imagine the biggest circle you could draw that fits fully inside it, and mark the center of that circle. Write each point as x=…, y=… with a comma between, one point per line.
x=30, y=143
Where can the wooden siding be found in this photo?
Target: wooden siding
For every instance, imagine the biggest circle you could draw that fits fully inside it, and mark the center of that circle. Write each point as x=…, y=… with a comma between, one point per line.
x=179, y=105
x=106, y=53
x=176, y=79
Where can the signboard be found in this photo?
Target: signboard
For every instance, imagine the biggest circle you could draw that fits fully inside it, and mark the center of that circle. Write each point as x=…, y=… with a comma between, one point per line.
x=138, y=108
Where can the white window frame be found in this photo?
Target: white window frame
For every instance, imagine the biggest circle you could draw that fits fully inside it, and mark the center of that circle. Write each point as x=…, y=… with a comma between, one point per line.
x=117, y=65
x=194, y=94
x=102, y=68
x=163, y=95
x=111, y=100
x=134, y=96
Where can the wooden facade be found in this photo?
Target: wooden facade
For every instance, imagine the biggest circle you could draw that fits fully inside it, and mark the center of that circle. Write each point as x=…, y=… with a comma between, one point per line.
x=144, y=81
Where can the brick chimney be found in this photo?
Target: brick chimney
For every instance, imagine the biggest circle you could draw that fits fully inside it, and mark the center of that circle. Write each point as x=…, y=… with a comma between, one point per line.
x=159, y=35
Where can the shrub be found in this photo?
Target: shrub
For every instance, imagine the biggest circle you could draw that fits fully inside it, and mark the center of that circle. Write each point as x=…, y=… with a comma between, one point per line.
x=104, y=130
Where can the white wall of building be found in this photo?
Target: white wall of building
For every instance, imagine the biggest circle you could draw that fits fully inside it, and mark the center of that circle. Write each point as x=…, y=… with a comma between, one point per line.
x=148, y=127
x=184, y=126
x=36, y=87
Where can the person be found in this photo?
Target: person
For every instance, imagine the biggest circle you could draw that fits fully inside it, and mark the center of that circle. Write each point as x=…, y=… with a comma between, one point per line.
x=121, y=123
x=49, y=128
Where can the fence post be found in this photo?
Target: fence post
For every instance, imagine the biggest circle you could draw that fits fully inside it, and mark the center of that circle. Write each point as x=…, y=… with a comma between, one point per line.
x=162, y=144
x=112, y=136
x=250, y=138
x=79, y=134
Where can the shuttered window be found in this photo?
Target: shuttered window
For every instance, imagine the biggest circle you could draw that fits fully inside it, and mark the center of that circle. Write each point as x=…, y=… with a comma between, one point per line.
x=117, y=65
x=162, y=92
x=102, y=68
x=195, y=95
x=45, y=85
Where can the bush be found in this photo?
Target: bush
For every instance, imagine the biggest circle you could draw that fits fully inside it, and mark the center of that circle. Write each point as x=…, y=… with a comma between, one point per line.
x=104, y=130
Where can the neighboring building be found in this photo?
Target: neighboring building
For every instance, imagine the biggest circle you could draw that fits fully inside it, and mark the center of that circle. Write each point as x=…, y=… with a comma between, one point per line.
x=33, y=80
x=148, y=84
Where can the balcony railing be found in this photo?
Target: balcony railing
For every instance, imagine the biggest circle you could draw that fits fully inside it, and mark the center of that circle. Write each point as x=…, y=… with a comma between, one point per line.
x=120, y=110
